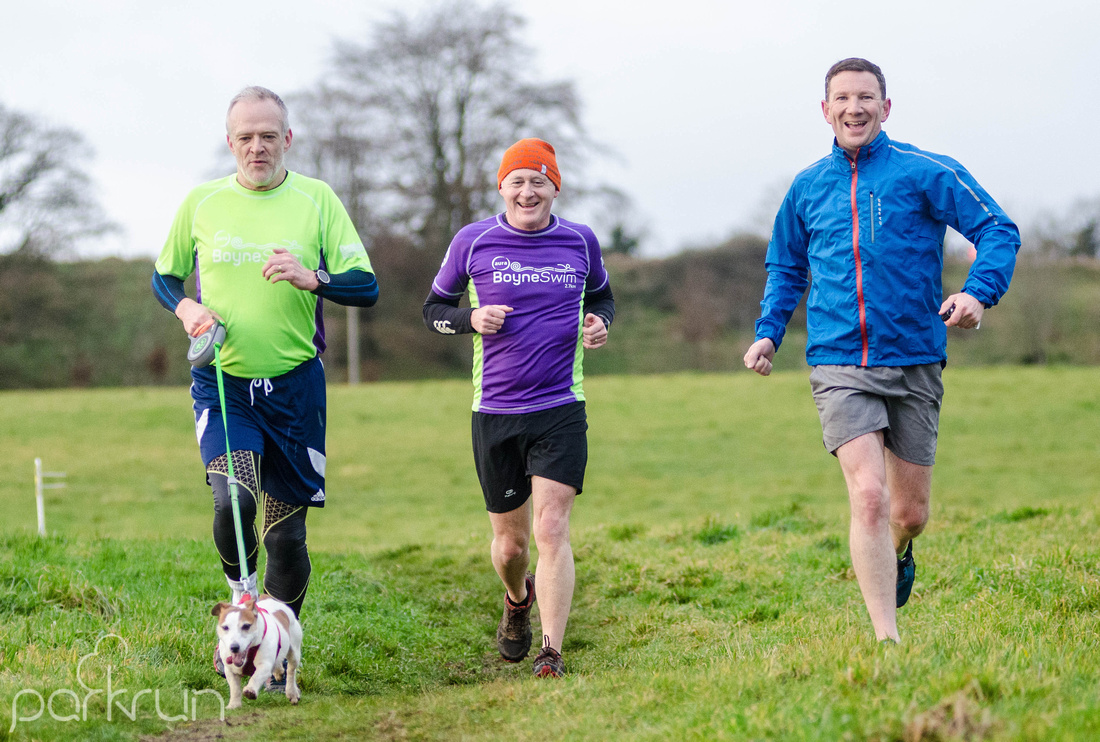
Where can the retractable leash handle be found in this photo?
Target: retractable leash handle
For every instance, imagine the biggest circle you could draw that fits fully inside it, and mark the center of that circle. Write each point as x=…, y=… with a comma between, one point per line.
x=216, y=352
x=203, y=346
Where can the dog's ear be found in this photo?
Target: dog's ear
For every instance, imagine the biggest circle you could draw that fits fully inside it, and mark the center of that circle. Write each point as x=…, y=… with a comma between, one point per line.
x=218, y=608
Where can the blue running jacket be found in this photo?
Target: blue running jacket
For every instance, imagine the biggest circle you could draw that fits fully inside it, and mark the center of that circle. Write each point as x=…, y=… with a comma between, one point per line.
x=870, y=231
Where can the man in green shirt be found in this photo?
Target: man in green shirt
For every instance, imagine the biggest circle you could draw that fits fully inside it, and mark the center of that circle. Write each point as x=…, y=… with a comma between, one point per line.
x=267, y=246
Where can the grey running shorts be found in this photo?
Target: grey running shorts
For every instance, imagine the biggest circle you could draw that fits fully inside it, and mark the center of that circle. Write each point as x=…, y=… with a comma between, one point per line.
x=902, y=401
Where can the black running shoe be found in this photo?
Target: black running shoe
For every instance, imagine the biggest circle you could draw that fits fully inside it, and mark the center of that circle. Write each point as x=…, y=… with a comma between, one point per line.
x=549, y=664
x=514, y=629
x=907, y=572
x=219, y=666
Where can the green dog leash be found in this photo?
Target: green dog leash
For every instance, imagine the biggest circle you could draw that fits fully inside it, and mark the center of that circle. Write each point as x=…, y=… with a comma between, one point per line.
x=229, y=461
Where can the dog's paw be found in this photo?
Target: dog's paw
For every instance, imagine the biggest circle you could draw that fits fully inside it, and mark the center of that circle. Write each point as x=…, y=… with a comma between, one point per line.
x=294, y=698
x=234, y=704
x=250, y=694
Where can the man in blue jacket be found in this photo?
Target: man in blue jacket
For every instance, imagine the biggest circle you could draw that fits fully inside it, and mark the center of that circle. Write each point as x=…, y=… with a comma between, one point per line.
x=868, y=223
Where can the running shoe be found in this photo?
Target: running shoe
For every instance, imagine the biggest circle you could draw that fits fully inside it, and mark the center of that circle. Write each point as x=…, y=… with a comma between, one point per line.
x=514, y=629
x=271, y=685
x=907, y=572
x=549, y=664
x=219, y=666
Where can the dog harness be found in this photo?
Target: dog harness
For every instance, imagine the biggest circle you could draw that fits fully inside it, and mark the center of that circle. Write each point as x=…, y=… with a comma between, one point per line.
x=249, y=668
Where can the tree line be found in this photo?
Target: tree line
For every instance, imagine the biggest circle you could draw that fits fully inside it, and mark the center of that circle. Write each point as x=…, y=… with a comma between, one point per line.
x=95, y=323
x=407, y=125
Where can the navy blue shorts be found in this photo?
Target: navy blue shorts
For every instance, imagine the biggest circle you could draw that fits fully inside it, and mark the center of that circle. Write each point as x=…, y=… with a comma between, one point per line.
x=282, y=419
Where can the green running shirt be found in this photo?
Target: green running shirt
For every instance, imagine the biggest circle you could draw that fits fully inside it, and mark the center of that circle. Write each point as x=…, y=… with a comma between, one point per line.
x=227, y=232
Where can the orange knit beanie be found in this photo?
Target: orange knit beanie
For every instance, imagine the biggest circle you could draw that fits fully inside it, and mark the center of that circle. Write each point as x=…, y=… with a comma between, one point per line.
x=530, y=154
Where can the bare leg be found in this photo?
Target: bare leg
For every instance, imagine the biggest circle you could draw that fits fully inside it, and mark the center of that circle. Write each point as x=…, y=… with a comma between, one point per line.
x=874, y=557
x=910, y=497
x=555, y=576
x=511, y=549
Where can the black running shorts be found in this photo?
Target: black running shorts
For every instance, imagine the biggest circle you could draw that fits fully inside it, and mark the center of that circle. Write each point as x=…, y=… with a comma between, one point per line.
x=510, y=449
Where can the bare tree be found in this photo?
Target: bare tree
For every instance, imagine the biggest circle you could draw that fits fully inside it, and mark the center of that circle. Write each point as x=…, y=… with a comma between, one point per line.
x=45, y=200
x=409, y=126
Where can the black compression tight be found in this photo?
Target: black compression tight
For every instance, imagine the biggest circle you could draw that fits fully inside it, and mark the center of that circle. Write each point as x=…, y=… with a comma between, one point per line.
x=286, y=576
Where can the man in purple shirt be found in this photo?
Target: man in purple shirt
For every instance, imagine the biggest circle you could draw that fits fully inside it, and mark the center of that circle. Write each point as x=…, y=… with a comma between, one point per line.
x=539, y=296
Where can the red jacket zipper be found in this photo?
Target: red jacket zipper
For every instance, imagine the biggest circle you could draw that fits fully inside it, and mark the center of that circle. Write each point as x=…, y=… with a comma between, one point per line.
x=859, y=265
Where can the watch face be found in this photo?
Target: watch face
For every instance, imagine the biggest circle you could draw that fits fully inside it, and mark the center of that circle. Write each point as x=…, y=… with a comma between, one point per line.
x=322, y=276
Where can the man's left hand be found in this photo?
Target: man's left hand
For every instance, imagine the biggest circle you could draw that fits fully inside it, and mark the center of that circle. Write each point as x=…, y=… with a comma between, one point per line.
x=967, y=314
x=594, y=333
x=282, y=266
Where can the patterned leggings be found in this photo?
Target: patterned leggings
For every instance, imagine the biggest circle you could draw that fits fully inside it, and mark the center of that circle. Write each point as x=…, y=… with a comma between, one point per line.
x=286, y=576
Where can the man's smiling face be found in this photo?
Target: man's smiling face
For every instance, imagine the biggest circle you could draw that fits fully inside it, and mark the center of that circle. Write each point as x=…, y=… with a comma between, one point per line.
x=528, y=196
x=855, y=109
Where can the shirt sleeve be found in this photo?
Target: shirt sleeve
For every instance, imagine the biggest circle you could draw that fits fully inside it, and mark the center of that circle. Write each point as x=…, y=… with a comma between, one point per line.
x=168, y=290
x=453, y=276
x=354, y=288
x=443, y=315
x=787, y=263
x=960, y=202
x=177, y=256
x=602, y=304
x=598, y=298
x=342, y=250
x=597, y=277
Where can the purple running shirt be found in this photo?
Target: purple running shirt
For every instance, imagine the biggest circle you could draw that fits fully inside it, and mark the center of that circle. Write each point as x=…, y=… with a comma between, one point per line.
x=535, y=361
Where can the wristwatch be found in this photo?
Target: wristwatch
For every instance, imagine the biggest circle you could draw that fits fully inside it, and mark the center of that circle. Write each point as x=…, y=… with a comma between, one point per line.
x=323, y=278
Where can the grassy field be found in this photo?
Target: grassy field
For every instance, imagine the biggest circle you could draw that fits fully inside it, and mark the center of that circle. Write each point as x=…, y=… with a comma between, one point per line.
x=715, y=597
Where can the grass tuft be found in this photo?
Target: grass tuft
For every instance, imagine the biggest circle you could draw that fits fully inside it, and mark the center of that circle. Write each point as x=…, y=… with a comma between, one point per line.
x=715, y=532
x=1019, y=514
x=626, y=532
x=790, y=519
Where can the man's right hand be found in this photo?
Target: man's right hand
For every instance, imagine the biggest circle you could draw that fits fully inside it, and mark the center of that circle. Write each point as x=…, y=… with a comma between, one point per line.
x=759, y=356
x=195, y=316
x=489, y=319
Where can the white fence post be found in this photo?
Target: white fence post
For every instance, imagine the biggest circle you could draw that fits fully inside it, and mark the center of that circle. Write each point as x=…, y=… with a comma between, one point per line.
x=39, y=485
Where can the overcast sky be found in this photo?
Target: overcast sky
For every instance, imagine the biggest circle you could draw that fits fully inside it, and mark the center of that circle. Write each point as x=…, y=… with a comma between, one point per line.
x=712, y=105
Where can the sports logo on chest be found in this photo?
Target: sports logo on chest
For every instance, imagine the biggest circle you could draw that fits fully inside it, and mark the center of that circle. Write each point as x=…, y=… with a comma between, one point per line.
x=229, y=248
x=516, y=273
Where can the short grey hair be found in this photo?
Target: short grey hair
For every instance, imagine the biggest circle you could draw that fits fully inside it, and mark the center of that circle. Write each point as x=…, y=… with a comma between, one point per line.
x=258, y=93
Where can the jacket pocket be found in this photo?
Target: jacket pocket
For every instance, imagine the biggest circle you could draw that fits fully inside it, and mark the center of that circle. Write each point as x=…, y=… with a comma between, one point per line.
x=871, y=198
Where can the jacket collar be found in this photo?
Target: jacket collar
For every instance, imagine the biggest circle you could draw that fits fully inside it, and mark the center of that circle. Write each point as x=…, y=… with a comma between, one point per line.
x=876, y=148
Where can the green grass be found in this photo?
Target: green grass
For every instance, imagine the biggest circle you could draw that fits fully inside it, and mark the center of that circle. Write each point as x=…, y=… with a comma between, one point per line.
x=715, y=597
